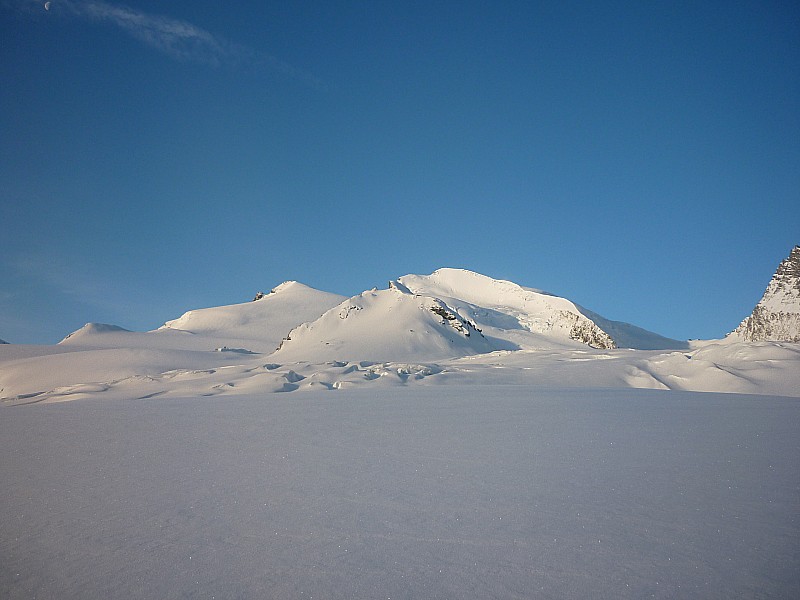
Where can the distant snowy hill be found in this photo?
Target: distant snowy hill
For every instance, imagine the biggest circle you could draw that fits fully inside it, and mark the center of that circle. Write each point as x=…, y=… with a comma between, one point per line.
x=257, y=326
x=524, y=318
x=380, y=325
x=88, y=331
x=777, y=316
x=267, y=319
x=3, y=342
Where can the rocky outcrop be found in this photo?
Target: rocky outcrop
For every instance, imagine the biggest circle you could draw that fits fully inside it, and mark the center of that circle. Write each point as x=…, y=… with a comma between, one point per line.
x=776, y=318
x=449, y=317
x=587, y=332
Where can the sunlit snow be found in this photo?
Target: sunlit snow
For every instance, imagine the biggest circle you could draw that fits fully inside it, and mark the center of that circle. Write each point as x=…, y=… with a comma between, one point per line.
x=467, y=441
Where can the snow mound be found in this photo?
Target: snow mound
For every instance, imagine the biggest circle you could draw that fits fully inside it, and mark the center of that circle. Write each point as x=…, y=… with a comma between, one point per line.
x=72, y=375
x=266, y=320
x=385, y=325
x=91, y=329
x=777, y=315
x=251, y=326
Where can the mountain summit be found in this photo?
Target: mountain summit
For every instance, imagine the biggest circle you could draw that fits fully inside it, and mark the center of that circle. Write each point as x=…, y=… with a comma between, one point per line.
x=386, y=325
x=455, y=313
x=776, y=317
x=518, y=317
x=266, y=320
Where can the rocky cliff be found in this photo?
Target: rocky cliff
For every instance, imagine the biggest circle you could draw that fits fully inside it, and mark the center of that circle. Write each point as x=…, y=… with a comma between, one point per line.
x=776, y=317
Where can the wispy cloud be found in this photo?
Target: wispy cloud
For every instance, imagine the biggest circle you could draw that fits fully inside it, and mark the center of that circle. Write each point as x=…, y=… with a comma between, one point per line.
x=176, y=38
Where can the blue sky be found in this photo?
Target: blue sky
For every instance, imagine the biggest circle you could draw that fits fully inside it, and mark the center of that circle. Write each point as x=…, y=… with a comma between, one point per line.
x=639, y=158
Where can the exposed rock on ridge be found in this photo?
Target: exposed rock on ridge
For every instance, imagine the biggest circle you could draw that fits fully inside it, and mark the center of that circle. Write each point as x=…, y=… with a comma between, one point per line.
x=498, y=306
x=394, y=324
x=776, y=318
x=587, y=332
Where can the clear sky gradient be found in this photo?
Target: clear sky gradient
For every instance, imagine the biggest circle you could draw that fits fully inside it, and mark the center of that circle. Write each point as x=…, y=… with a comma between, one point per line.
x=639, y=158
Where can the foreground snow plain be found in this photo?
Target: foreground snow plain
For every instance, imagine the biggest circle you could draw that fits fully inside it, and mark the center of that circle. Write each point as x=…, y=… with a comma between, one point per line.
x=466, y=447
x=419, y=492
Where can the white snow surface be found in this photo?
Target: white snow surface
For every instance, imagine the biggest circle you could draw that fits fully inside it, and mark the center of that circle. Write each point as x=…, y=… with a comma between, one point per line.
x=264, y=322
x=525, y=318
x=485, y=492
x=257, y=326
x=385, y=325
x=195, y=461
x=452, y=327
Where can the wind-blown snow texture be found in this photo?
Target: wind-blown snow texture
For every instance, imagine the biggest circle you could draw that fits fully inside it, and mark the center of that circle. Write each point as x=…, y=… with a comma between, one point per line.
x=777, y=315
x=456, y=492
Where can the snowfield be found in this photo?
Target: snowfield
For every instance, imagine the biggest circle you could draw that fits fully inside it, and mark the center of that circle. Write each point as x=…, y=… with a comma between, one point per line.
x=470, y=438
x=44, y=374
x=453, y=326
x=445, y=492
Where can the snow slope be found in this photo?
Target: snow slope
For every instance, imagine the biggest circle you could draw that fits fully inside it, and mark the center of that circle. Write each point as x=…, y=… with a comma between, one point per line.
x=475, y=330
x=777, y=315
x=266, y=320
x=256, y=326
x=449, y=462
x=527, y=318
x=385, y=325
x=446, y=492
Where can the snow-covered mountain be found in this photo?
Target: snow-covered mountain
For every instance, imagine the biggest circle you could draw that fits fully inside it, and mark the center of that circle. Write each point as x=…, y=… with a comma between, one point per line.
x=518, y=317
x=385, y=325
x=452, y=326
x=3, y=342
x=447, y=314
x=267, y=319
x=257, y=326
x=452, y=313
x=777, y=315
x=90, y=330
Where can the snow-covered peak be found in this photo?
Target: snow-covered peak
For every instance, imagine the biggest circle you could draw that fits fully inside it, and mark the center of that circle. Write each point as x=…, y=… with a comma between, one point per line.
x=286, y=286
x=91, y=329
x=777, y=315
x=525, y=317
x=266, y=320
x=472, y=286
x=783, y=292
x=508, y=311
x=385, y=325
x=291, y=286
